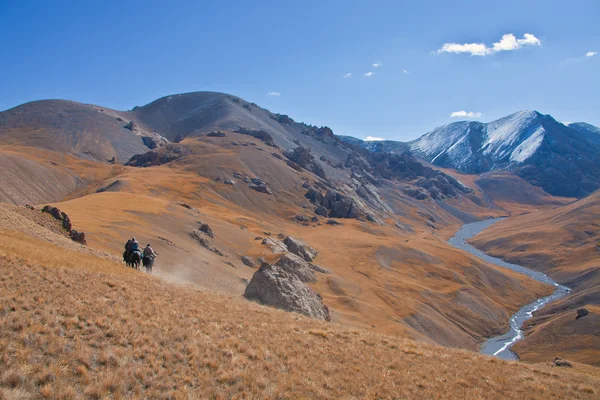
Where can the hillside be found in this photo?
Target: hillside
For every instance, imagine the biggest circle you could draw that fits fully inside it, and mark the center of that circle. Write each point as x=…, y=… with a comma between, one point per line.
x=84, y=130
x=97, y=329
x=231, y=180
x=384, y=277
x=562, y=243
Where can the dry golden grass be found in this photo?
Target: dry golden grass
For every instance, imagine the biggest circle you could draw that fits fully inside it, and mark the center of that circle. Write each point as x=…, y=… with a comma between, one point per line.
x=73, y=332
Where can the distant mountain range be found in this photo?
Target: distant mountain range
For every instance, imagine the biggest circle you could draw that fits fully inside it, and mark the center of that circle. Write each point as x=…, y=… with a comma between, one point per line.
x=564, y=159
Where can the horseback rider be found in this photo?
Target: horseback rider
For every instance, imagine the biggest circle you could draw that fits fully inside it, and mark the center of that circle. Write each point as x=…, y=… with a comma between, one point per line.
x=127, y=247
x=134, y=245
x=149, y=256
x=149, y=252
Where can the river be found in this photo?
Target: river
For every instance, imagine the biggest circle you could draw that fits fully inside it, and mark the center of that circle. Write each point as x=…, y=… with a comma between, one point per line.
x=500, y=346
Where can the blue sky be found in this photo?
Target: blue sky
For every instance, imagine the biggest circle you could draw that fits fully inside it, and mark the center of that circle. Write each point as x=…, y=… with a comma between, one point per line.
x=123, y=54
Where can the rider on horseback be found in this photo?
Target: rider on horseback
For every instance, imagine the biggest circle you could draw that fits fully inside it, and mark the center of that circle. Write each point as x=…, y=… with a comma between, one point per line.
x=131, y=246
x=149, y=252
x=149, y=256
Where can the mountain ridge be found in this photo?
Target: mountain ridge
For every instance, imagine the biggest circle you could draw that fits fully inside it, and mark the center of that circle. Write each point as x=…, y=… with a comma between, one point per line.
x=561, y=159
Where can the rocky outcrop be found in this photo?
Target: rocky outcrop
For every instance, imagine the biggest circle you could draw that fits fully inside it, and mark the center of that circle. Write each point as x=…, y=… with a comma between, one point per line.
x=334, y=204
x=150, y=142
x=159, y=156
x=323, y=134
x=76, y=236
x=582, y=312
x=319, y=269
x=282, y=119
x=276, y=246
x=260, y=186
x=273, y=286
x=300, y=249
x=204, y=242
x=206, y=229
x=248, y=261
x=132, y=126
x=295, y=265
x=559, y=362
x=260, y=135
x=303, y=157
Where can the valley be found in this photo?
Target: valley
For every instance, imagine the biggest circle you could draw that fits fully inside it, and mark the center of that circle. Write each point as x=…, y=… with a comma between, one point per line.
x=215, y=184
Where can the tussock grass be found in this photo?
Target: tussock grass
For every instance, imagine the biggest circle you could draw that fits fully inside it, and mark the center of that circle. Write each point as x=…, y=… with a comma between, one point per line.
x=82, y=331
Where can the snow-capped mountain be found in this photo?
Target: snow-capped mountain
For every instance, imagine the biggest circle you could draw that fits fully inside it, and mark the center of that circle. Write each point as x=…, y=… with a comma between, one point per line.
x=563, y=159
x=475, y=147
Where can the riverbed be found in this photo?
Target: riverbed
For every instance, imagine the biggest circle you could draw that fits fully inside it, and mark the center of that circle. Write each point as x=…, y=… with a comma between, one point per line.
x=500, y=346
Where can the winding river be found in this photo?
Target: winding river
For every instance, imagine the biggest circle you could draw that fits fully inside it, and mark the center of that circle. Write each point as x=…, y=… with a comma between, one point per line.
x=499, y=346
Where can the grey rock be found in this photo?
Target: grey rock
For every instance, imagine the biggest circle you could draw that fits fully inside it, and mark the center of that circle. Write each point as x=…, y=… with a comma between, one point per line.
x=295, y=265
x=260, y=188
x=248, y=261
x=582, y=312
x=302, y=218
x=317, y=268
x=559, y=362
x=273, y=286
x=322, y=211
x=276, y=246
x=300, y=249
x=204, y=228
x=204, y=242
x=229, y=182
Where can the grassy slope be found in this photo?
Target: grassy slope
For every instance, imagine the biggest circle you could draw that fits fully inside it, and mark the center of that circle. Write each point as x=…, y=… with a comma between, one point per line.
x=383, y=280
x=76, y=323
x=562, y=243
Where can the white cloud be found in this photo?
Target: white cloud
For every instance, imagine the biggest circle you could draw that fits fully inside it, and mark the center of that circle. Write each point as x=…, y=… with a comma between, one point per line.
x=373, y=139
x=369, y=74
x=405, y=71
x=277, y=94
x=348, y=75
x=465, y=114
x=377, y=64
x=508, y=42
x=591, y=53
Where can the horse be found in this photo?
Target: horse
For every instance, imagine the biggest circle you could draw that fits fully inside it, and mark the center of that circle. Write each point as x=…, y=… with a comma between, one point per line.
x=148, y=263
x=135, y=259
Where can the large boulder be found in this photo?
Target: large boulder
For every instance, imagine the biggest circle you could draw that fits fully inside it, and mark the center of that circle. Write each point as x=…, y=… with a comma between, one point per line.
x=295, y=265
x=273, y=286
x=582, y=312
x=300, y=249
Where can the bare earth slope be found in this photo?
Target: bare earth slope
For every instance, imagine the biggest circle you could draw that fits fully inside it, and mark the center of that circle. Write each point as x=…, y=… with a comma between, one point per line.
x=563, y=243
x=66, y=126
x=96, y=329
